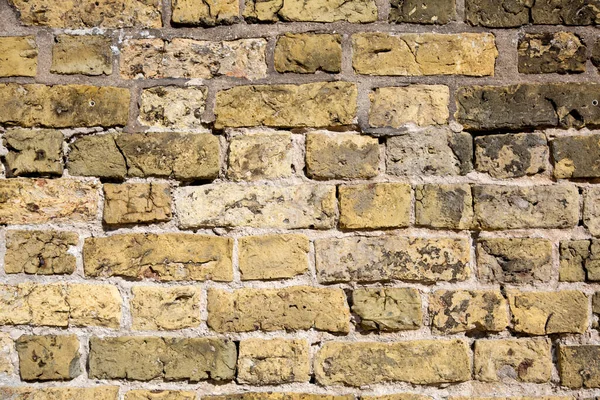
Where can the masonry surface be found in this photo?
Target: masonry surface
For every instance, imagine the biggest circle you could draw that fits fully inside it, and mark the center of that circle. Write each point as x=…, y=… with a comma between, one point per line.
x=299, y=199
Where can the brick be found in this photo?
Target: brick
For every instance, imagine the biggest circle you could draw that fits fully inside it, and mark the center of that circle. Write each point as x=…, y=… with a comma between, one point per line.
x=454, y=311
x=387, y=309
x=545, y=313
x=38, y=201
x=579, y=366
x=596, y=54
x=60, y=393
x=391, y=257
x=402, y=106
x=434, y=151
x=576, y=156
x=398, y=396
x=141, y=394
x=444, y=206
x=511, y=155
x=259, y=156
x=165, y=257
x=227, y=205
x=355, y=11
x=89, y=13
x=63, y=106
x=528, y=106
x=7, y=352
x=307, y=53
x=547, y=52
x=520, y=207
x=507, y=14
x=273, y=362
x=40, y=252
x=591, y=210
x=162, y=154
x=133, y=203
x=418, y=54
x=517, y=261
x=341, y=156
x=375, y=205
x=18, y=56
x=524, y=360
x=145, y=358
x=197, y=12
x=513, y=398
x=86, y=55
x=52, y=357
x=291, y=309
x=579, y=261
x=273, y=256
x=188, y=58
x=173, y=108
x=422, y=362
x=158, y=308
x=94, y=305
x=32, y=153
x=278, y=396
x=321, y=104
x=422, y=12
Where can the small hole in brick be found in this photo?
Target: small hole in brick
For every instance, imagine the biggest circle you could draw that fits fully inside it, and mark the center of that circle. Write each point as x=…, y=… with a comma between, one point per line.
x=594, y=102
x=92, y=103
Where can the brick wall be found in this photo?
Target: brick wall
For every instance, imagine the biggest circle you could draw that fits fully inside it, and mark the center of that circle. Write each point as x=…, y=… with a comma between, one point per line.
x=299, y=199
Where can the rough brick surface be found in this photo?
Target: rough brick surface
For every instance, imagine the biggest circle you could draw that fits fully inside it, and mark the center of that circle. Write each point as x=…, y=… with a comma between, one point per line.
x=154, y=308
x=308, y=53
x=133, y=203
x=511, y=155
x=198, y=12
x=87, y=55
x=271, y=362
x=310, y=10
x=33, y=153
x=260, y=156
x=388, y=309
x=46, y=358
x=19, y=56
x=273, y=256
x=375, y=206
x=40, y=252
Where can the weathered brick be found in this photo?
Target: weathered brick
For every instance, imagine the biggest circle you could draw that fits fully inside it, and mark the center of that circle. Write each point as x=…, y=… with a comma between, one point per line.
x=444, y=206
x=416, y=54
x=388, y=309
x=341, y=156
x=402, y=106
x=227, y=204
x=521, y=207
x=145, y=358
x=33, y=153
x=52, y=357
x=157, y=308
x=133, y=203
x=292, y=308
x=434, y=151
x=511, y=155
x=307, y=53
x=508, y=14
x=545, y=313
x=320, y=104
x=547, y=52
x=40, y=252
x=591, y=210
x=524, y=360
x=18, y=56
x=60, y=393
x=398, y=396
x=422, y=11
x=87, y=55
x=273, y=256
x=454, y=311
x=273, y=362
x=375, y=205
x=579, y=261
x=579, y=366
x=278, y=396
x=89, y=13
x=513, y=398
x=421, y=362
x=94, y=305
x=63, y=106
x=198, y=12
x=38, y=201
x=165, y=257
x=576, y=156
x=596, y=54
x=356, y=11
x=523, y=106
x=514, y=260
x=7, y=351
x=391, y=257
x=161, y=154
x=141, y=394
x=188, y=58
x=173, y=108
x=257, y=156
